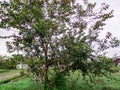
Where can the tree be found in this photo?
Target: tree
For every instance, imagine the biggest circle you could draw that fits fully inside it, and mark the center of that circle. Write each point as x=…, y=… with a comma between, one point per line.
x=3, y=60
x=18, y=58
x=57, y=33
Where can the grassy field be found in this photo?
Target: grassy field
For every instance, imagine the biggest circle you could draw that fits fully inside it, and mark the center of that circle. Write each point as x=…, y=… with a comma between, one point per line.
x=8, y=75
x=8, y=72
x=74, y=82
x=24, y=84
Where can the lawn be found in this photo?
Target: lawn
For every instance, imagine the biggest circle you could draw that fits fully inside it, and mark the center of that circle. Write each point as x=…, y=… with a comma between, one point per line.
x=8, y=72
x=24, y=84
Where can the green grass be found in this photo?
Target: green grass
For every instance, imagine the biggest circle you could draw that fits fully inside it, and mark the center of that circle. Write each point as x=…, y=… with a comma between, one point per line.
x=24, y=84
x=9, y=79
x=8, y=72
x=2, y=70
x=74, y=82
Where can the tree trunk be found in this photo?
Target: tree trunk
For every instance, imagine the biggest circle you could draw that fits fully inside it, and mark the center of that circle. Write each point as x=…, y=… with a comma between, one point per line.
x=46, y=77
x=46, y=67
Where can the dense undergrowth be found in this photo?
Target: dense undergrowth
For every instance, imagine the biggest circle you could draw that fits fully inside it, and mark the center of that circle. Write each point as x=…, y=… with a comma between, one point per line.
x=110, y=82
x=74, y=82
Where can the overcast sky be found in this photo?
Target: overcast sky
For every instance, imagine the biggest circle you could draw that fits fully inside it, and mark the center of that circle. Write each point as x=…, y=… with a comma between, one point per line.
x=112, y=25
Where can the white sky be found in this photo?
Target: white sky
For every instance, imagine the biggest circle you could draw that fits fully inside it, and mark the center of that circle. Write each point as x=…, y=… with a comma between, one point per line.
x=112, y=25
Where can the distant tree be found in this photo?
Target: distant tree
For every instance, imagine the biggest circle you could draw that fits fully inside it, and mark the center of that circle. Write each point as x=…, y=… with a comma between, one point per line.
x=2, y=61
x=18, y=58
x=57, y=32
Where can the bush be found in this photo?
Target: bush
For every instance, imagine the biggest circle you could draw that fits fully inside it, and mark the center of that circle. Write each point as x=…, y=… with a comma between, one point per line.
x=109, y=88
x=22, y=72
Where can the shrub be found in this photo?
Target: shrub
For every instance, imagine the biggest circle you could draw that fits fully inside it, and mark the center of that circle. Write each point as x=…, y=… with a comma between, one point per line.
x=109, y=88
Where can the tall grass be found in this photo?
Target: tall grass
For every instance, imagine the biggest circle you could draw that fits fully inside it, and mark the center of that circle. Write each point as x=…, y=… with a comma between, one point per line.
x=75, y=81
x=25, y=84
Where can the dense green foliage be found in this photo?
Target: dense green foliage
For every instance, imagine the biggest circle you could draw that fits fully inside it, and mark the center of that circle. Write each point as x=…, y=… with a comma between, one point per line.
x=74, y=82
x=11, y=62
